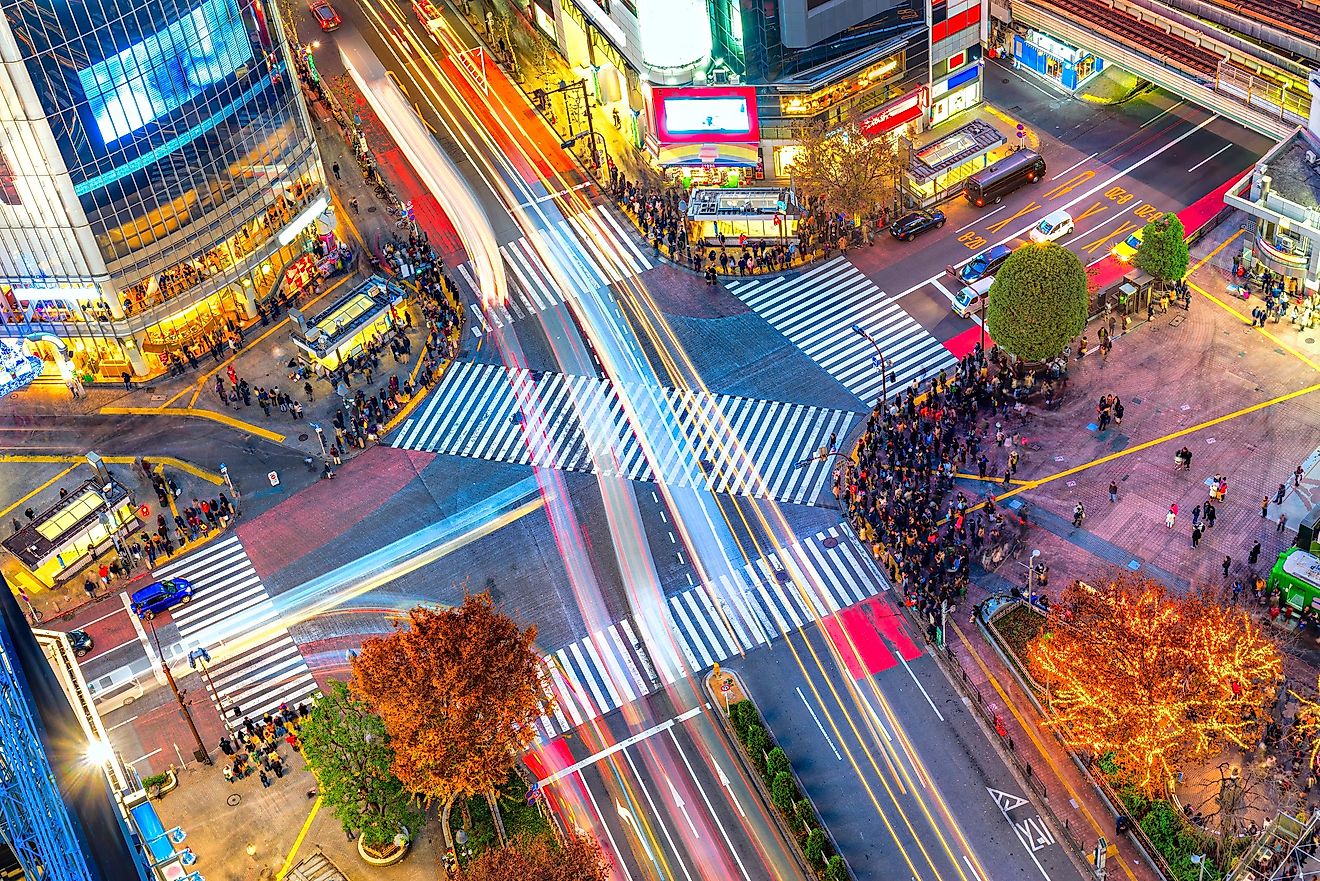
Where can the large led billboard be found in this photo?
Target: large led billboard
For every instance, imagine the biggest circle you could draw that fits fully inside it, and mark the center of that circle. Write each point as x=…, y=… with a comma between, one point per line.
x=708, y=115
x=166, y=70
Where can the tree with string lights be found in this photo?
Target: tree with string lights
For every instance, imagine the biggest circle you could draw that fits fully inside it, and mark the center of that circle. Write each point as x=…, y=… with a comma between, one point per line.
x=1156, y=680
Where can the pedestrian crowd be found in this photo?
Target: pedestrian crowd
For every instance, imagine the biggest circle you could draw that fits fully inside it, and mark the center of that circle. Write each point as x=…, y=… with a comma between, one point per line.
x=254, y=748
x=900, y=495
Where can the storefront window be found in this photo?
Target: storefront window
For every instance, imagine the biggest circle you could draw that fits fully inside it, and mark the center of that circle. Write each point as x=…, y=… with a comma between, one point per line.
x=810, y=105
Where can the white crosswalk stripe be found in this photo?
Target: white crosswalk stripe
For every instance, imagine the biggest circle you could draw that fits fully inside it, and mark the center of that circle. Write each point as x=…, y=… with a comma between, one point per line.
x=590, y=250
x=816, y=310
x=709, y=624
x=230, y=603
x=743, y=446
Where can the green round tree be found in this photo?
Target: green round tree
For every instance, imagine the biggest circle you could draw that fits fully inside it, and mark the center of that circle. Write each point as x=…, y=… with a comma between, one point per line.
x=347, y=749
x=1038, y=301
x=1163, y=251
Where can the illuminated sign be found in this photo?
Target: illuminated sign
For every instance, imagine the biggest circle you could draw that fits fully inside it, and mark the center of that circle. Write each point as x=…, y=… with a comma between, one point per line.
x=713, y=115
x=166, y=70
x=894, y=114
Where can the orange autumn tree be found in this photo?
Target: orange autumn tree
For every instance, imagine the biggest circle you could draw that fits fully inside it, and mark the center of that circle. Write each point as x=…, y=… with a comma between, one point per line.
x=1156, y=680
x=457, y=691
x=577, y=858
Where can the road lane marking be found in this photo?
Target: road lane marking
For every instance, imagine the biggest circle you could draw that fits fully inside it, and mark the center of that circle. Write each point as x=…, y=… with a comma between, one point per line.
x=1095, y=208
x=659, y=818
x=621, y=745
x=1070, y=184
x=297, y=842
x=1124, y=228
x=724, y=781
x=1075, y=164
x=1036, y=835
x=812, y=711
x=979, y=219
x=144, y=758
x=999, y=225
x=1157, y=116
x=943, y=290
x=1208, y=158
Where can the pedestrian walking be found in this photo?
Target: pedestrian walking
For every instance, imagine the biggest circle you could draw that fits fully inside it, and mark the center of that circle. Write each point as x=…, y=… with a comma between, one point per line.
x=1113, y=491
x=1196, y=515
x=335, y=169
x=1197, y=532
x=353, y=204
x=1210, y=513
x=1171, y=517
x=1079, y=514
x=1254, y=556
x=1283, y=522
x=1297, y=477
x=1264, y=507
x=1280, y=493
x=1228, y=562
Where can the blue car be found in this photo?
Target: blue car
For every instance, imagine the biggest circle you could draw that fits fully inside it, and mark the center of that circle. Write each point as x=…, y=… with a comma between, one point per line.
x=161, y=596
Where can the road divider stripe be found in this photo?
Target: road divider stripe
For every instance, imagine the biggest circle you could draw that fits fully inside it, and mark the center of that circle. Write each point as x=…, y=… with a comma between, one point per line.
x=197, y=413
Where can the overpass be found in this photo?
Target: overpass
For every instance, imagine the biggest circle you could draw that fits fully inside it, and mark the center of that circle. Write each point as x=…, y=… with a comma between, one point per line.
x=1261, y=90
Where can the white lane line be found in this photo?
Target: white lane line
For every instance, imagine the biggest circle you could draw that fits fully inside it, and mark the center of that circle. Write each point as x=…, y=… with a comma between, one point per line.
x=1158, y=115
x=812, y=711
x=621, y=745
x=709, y=807
x=614, y=845
x=121, y=724
x=1074, y=165
x=144, y=758
x=943, y=290
x=975, y=874
x=1208, y=158
x=987, y=214
x=659, y=817
x=99, y=620
x=907, y=667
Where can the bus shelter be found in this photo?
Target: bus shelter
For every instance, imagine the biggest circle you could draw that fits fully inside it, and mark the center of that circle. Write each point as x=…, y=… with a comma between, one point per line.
x=935, y=171
x=58, y=542
x=759, y=213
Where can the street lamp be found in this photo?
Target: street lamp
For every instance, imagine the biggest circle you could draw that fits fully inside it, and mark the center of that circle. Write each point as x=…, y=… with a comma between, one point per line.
x=199, y=751
x=878, y=360
x=592, y=134
x=200, y=657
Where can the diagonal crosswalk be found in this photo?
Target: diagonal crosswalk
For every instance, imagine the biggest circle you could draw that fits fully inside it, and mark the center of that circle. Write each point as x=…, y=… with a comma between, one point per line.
x=816, y=310
x=591, y=249
x=230, y=603
x=743, y=446
x=773, y=596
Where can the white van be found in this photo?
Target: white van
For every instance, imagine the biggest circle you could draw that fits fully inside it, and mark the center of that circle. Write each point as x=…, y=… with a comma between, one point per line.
x=969, y=298
x=1053, y=227
x=116, y=689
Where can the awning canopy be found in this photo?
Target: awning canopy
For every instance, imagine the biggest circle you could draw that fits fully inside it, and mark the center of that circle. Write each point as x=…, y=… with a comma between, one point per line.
x=697, y=155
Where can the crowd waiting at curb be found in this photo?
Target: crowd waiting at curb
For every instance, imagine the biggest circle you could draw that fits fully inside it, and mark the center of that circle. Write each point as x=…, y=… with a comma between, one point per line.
x=255, y=746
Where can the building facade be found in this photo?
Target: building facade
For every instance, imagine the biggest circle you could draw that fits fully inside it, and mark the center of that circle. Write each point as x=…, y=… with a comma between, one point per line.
x=157, y=176
x=882, y=63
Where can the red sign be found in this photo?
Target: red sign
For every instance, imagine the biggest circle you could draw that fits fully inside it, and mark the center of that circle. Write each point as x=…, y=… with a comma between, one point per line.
x=894, y=114
x=705, y=115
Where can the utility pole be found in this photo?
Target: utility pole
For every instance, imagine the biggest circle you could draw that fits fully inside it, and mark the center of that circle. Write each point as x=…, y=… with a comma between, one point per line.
x=199, y=751
x=201, y=658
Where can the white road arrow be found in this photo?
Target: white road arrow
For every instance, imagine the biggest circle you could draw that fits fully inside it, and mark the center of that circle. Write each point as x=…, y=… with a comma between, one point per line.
x=1006, y=801
x=628, y=818
x=724, y=781
x=682, y=806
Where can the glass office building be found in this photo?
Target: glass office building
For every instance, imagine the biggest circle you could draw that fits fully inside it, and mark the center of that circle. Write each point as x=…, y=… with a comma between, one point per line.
x=158, y=176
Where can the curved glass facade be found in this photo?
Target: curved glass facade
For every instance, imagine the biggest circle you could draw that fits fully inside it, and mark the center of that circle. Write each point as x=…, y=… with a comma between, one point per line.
x=177, y=120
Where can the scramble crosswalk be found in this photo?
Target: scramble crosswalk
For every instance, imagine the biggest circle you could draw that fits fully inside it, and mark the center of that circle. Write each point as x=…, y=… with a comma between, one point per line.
x=591, y=250
x=744, y=446
x=817, y=310
x=773, y=596
x=230, y=605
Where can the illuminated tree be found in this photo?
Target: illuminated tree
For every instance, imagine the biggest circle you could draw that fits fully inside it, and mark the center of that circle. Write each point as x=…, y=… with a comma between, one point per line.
x=348, y=751
x=577, y=858
x=849, y=171
x=1156, y=680
x=458, y=691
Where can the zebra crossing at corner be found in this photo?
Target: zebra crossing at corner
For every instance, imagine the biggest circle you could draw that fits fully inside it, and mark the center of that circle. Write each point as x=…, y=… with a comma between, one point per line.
x=817, y=309
x=709, y=624
x=764, y=449
x=589, y=250
x=230, y=604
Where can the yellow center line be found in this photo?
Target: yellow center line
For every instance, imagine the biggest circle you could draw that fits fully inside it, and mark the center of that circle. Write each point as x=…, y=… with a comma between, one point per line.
x=1032, y=484
x=45, y=485
x=1040, y=747
x=1215, y=253
x=222, y=418
x=1262, y=331
x=297, y=842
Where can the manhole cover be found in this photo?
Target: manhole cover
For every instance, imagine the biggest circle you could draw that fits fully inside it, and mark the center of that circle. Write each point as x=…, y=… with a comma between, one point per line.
x=1310, y=341
x=782, y=576
x=302, y=437
x=707, y=464
x=1177, y=320
x=1005, y=80
x=831, y=542
x=371, y=209
x=233, y=800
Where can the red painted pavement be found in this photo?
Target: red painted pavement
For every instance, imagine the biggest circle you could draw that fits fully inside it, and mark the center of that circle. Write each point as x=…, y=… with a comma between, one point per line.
x=863, y=652
x=894, y=628
x=328, y=509
x=966, y=341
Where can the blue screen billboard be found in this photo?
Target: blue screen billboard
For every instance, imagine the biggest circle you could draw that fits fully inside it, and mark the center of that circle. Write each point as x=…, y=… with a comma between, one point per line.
x=161, y=73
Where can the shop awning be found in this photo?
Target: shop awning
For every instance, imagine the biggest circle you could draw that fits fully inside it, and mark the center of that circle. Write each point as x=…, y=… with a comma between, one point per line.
x=697, y=155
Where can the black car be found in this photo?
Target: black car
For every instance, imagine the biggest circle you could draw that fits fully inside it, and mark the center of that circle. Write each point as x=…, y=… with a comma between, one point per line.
x=81, y=642
x=909, y=226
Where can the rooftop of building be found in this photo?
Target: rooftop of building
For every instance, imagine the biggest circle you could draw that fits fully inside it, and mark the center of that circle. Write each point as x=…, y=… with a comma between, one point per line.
x=726, y=202
x=1292, y=175
x=74, y=513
